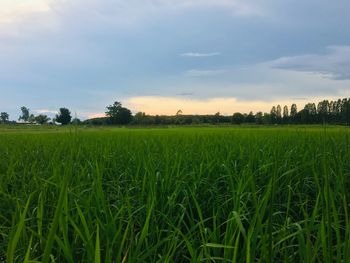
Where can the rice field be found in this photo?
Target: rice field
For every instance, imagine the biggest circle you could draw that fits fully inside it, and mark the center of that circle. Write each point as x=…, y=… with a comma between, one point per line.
x=265, y=194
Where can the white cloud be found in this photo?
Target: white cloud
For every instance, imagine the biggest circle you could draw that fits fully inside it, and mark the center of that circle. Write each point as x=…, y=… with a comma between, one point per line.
x=47, y=111
x=335, y=64
x=13, y=9
x=198, y=55
x=204, y=73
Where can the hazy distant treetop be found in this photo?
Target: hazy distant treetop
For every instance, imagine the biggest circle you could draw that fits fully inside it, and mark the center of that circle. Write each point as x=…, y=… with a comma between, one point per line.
x=25, y=114
x=42, y=119
x=293, y=110
x=4, y=117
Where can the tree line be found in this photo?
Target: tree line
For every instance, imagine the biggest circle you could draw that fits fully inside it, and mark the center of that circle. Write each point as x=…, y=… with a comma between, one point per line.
x=63, y=117
x=324, y=112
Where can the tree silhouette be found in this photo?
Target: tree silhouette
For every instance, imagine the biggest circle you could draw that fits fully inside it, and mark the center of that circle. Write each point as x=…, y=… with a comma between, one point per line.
x=285, y=114
x=237, y=118
x=25, y=114
x=118, y=114
x=64, y=116
x=4, y=117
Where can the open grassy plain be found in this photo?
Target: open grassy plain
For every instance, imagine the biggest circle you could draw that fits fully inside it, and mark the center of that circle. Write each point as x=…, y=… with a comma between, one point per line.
x=264, y=194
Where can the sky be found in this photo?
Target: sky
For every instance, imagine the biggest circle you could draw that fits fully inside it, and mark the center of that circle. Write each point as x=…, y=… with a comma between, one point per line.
x=159, y=56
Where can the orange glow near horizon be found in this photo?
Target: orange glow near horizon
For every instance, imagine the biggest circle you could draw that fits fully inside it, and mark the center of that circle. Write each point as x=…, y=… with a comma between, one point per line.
x=154, y=105
x=158, y=105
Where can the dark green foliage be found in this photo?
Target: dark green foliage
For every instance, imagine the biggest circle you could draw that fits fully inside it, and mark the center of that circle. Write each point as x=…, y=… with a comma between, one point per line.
x=42, y=119
x=4, y=117
x=237, y=118
x=118, y=114
x=76, y=121
x=25, y=114
x=64, y=116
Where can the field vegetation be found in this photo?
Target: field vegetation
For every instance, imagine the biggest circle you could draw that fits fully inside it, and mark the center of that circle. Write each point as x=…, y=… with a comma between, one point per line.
x=263, y=194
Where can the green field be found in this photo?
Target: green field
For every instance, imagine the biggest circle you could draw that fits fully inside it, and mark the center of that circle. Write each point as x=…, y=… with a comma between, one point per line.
x=264, y=194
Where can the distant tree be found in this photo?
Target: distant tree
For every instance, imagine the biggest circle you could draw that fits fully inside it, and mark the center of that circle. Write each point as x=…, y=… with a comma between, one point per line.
x=346, y=112
x=250, y=118
x=64, y=116
x=237, y=118
x=42, y=119
x=76, y=121
x=273, y=115
x=217, y=117
x=139, y=117
x=285, y=112
x=25, y=114
x=4, y=117
x=279, y=114
x=259, y=117
x=142, y=118
x=293, y=110
x=273, y=110
x=179, y=118
x=267, y=118
x=293, y=113
x=196, y=120
x=118, y=114
x=31, y=118
x=279, y=111
x=323, y=110
x=179, y=112
x=310, y=108
x=309, y=113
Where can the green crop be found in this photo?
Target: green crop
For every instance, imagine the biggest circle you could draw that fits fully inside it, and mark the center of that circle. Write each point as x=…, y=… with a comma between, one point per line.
x=175, y=195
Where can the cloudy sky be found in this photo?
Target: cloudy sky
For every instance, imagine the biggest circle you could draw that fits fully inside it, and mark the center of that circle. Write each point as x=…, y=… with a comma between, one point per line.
x=158, y=56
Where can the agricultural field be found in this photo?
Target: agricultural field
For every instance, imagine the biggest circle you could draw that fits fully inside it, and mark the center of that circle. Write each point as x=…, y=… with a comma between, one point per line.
x=229, y=194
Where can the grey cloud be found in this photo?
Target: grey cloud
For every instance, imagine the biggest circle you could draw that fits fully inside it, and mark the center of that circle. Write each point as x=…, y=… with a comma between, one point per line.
x=185, y=94
x=334, y=64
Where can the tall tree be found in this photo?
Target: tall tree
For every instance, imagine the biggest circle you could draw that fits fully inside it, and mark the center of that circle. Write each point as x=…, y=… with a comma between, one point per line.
x=293, y=113
x=279, y=114
x=346, y=112
x=118, y=114
x=25, y=114
x=293, y=110
x=259, y=117
x=308, y=114
x=285, y=112
x=279, y=111
x=323, y=110
x=311, y=108
x=64, y=116
x=273, y=115
x=4, y=117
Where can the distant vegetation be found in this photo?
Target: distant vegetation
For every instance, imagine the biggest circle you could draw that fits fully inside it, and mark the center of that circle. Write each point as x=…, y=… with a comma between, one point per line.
x=330, y=112
x=325, y=112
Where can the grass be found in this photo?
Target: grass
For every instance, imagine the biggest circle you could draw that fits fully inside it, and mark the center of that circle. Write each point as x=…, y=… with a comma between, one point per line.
x=266, y=194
